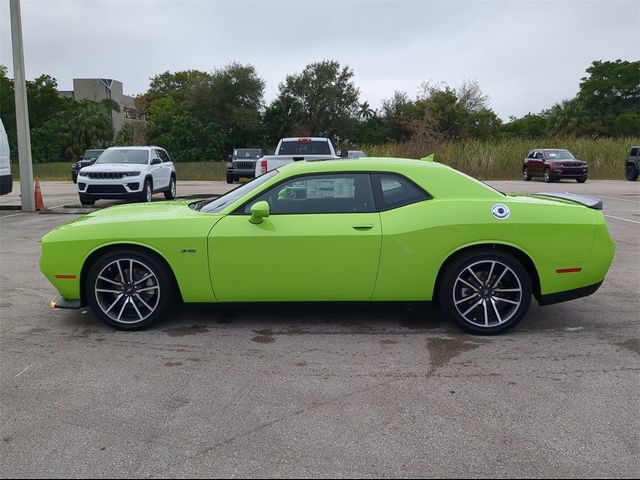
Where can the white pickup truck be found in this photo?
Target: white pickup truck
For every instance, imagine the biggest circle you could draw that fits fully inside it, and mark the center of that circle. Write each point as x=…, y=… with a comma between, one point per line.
x=293, y=149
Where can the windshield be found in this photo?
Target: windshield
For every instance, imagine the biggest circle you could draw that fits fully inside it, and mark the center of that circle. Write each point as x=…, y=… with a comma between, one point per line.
x=124, y=156
x=92, y=154
x=220, y=203
x=243, y=153
x=304, y=147
x=558, y=155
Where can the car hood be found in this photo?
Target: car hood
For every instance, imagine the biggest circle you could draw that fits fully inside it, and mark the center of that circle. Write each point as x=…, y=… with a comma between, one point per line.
x=114, y=167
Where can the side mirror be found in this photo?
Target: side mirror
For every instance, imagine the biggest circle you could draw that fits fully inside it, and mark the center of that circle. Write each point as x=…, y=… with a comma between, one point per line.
x=259, y=211
x=155, y=161
x=229, y=157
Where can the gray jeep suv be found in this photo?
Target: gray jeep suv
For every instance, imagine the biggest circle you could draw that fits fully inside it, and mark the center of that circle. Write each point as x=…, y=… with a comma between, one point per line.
x=633, y=164
x=242, y=163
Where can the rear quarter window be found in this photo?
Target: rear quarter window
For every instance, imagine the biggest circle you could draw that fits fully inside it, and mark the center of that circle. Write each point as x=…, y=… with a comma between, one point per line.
x=395, y=191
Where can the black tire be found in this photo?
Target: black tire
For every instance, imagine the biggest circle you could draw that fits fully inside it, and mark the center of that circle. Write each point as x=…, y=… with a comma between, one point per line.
x=525, y=174
x=492, y=302
x=229, y=178
x=147, y=192
x=548, y=178
x=631, y=172
x=133, y=316
x=171, y=193
x=581, y=179
x=87, y=201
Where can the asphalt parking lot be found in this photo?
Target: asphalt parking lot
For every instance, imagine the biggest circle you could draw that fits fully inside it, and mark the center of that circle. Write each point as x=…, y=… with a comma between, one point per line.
x=319, y=390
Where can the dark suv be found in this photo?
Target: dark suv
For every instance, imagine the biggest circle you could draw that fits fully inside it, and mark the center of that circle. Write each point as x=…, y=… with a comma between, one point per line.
x=632, y=166
x=242, y=163
x=89, y=157
x=553, y=164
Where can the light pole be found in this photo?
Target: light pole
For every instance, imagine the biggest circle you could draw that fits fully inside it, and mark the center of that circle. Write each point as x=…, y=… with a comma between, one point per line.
x=22, y=112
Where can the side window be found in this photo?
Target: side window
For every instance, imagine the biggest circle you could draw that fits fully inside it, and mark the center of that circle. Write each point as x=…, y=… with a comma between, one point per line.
x=393, y=191
x=164, y=156
x=634, y=152
x=331, y=193
x=532, y=154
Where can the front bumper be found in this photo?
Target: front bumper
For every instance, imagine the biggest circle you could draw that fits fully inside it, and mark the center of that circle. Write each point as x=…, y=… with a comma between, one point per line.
x=6, y=184
x=127, y=187
x=242, y=172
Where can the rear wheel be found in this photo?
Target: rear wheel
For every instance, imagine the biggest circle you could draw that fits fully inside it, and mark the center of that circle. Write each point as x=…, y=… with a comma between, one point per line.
x=171, y=193
x=631, y=172
x=129, y=290
x=486, y=291
x=525, y=174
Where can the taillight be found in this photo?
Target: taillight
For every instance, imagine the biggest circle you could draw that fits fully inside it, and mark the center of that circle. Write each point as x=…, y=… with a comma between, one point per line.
x=263, y=166
x=304, y=140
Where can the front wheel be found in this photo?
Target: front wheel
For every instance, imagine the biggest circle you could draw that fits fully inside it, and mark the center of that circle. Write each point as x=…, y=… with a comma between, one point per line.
x=547, y=176
x=229, y=178
x=631, y=172
x=129, y=290
x=147, y=192
x=525, y=174
x=486, y=291
x=171, y=193
x=581, y=179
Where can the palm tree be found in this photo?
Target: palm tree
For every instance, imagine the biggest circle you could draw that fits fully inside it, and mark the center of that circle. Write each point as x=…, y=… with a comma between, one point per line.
x=366, y=112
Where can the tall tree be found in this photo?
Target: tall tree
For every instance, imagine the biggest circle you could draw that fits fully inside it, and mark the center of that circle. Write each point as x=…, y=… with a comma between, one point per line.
x=321, y=100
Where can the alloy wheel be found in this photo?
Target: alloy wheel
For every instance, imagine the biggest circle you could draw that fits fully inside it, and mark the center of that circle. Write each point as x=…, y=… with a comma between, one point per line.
x=127, y=291
x=487, y=293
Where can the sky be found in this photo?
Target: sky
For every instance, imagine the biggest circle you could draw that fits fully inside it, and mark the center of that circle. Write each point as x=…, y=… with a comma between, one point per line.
x=526, y=55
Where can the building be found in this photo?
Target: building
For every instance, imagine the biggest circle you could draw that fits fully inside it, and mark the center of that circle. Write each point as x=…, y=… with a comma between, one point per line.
x=97, y=89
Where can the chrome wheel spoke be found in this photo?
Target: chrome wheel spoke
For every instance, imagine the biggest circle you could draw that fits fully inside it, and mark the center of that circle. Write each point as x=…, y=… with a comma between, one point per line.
x=104, y=290
x=472, y=307
x=486, y=315
x=497, y=282
x=131, y=271
x=136, y=308
x=143, y=302
x=504, y=290
x=114, y=303
x=148, y=288
x=473, y=287
x=149, y=275
x=480, y=282
x=495, y=309
x=120, y=270
x=124, y=305
x=110, y=281
x=466, y=299
x=500, y=299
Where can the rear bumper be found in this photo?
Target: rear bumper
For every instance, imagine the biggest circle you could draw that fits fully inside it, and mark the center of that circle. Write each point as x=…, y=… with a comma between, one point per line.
x=6, y=184
x=568, y=295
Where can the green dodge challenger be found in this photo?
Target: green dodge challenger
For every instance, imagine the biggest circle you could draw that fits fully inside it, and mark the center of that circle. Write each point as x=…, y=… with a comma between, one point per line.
x=369, y=229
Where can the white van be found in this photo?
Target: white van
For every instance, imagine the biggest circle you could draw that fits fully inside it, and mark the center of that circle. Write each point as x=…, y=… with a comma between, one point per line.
x=6, y=181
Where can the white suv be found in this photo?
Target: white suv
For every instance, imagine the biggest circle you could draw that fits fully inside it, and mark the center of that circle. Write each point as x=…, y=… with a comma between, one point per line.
x=128, y=172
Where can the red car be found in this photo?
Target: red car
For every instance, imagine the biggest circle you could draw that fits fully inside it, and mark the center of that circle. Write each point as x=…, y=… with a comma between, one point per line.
x=553, y=164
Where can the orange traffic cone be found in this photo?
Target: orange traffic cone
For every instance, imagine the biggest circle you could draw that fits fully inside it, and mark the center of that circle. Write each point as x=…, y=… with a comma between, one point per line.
x=38, y=194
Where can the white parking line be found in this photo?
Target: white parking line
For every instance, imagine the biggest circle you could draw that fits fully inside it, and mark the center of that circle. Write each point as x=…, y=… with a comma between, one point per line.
x=623, y=219
x=25, y=370
x=619, y=199
x=12, y=215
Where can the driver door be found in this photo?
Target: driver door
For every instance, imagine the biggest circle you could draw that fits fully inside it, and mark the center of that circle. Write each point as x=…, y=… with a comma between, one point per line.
x=321, y=241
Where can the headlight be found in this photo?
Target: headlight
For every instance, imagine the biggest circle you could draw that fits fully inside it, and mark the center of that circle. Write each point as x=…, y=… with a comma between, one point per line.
x=81, y=173
x=229, y=164
x=131, y=174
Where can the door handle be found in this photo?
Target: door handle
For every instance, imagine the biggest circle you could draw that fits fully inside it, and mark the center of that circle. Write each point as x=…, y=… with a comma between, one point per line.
x=366, y=226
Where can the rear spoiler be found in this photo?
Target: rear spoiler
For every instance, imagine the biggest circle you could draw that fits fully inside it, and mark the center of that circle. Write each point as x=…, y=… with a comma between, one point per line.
x=586, y=200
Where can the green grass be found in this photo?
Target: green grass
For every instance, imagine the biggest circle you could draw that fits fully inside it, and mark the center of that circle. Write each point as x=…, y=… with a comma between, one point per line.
x=492, y=159
x=502, y=159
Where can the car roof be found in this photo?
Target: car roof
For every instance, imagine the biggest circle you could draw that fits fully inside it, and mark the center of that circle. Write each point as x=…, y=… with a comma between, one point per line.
x=359, y=164
x=313, y=139
x=135, y=147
